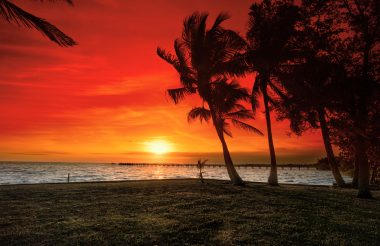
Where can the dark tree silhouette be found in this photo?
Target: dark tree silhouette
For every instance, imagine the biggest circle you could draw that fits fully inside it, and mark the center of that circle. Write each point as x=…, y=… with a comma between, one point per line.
x=360, y=54
x=342, y=136
x=203, y=57
x=313, y=80
x=16, y=15
x=271, y=26
x=224, y=109
x=310, y=95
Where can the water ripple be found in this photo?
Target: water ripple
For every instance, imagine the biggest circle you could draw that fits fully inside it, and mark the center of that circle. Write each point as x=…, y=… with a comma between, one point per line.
x=30, y=173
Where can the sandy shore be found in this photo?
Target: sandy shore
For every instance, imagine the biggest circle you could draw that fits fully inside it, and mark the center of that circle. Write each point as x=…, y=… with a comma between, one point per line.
x=185, y=212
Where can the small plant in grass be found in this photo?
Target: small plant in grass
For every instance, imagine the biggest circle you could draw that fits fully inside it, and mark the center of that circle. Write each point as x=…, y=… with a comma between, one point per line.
x=200, y=165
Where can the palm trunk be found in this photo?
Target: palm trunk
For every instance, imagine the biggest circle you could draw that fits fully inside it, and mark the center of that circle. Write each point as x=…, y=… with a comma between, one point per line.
x=355, y=178
x=361, y=146
x=360, y=123
x=329, y=151
x=232, y=173
x=272, y=179
x=361, y=160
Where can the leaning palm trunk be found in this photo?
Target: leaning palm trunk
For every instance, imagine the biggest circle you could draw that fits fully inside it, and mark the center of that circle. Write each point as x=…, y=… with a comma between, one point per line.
x=232, y=173
x=361, y=160
x=361, y=147
x=272, y=179
x=329, y=151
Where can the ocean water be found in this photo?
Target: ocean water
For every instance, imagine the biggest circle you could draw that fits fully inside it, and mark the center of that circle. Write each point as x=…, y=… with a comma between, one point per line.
x=31, y=173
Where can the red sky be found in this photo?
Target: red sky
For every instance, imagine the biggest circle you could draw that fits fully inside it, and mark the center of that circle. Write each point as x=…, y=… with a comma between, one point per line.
x=104, y=99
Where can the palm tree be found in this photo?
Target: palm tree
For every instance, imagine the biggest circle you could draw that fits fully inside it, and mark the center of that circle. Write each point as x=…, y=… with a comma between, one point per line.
x=14, y=14
x=203, y=58
x=271, y=26
x=225, y=110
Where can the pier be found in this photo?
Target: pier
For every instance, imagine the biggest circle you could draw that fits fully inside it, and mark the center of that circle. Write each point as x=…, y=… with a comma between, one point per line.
x=259, y=166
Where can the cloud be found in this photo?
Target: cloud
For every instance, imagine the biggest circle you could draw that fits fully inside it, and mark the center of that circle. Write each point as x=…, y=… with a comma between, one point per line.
x=149, y=84
x=108, y=94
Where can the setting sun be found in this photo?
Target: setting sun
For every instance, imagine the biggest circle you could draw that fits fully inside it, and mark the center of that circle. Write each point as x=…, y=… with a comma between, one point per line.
x=183, y=122
x=158, y=147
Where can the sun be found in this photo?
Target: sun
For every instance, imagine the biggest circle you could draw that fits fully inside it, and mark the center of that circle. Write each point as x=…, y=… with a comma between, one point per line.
x=158, y=147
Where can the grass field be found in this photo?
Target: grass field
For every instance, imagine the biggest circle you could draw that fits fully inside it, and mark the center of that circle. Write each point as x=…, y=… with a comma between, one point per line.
x=180, y=212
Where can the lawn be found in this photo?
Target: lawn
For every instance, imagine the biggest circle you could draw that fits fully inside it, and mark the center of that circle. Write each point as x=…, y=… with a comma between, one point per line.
x=180, y=212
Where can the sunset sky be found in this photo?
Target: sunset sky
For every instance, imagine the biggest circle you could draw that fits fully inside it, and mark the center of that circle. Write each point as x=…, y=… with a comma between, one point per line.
x=104, y=100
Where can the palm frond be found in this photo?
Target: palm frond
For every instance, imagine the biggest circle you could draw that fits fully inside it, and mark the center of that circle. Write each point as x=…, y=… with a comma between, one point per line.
x=180, y=53
x=214, y=32
x=178, y=94
x=241, y=114
x=67, y=1
x=188, y=26
x=201, y=32
x=169, y=58
x=198, y=34
x=238, y=107
x=273, y=102
x=246, y=126
x=233, y=40
x=255, y=94
x=226, y=129
x=16, y=15
x=219, y=19
x=281, y=93
x=187, y=77
x=199, y=112
x=235, y=66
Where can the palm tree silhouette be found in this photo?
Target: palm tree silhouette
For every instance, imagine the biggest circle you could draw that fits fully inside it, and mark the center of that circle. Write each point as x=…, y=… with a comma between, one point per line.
x=271, y=25
x=14, y=14
x=203, y=58
x=225, y=110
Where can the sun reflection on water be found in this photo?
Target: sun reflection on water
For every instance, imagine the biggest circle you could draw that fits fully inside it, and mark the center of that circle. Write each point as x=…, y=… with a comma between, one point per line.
x=158, y=172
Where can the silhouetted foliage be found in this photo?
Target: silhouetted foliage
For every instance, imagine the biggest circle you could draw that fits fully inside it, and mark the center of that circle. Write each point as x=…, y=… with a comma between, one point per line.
x=337, y=76
x=313, y=79
x=228, y=110
x=203, y=58
x=360, y=55
x=271, y=27
x=16, y=15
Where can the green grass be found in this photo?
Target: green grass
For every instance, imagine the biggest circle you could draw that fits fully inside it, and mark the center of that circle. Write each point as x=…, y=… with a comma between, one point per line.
x=185, y=212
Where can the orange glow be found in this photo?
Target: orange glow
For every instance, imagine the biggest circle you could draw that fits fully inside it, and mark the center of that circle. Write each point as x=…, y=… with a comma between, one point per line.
x=158, y=147
x=104, y=99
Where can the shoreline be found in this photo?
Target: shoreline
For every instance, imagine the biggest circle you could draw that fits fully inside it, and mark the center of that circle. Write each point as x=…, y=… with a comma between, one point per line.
x=163, y=180
x=224, y=181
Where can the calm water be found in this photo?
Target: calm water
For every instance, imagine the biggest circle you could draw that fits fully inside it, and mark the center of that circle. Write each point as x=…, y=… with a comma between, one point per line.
x=30, y=173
